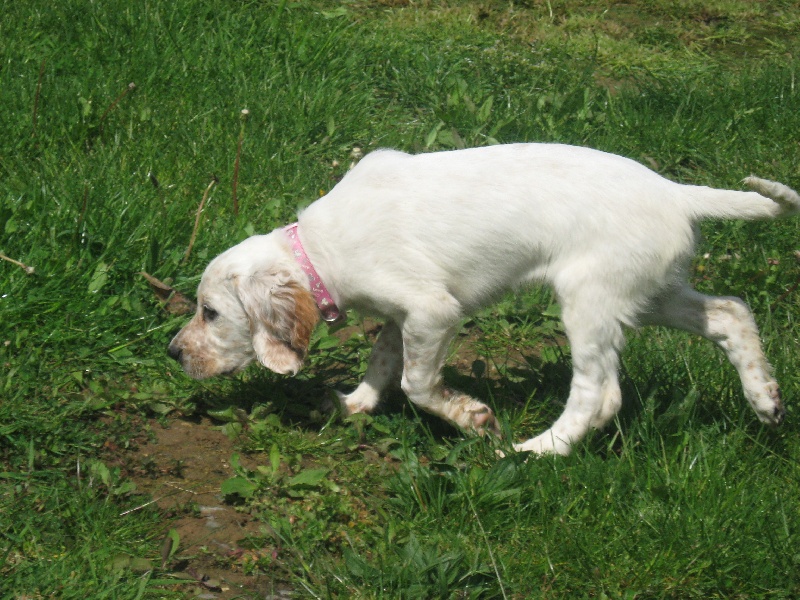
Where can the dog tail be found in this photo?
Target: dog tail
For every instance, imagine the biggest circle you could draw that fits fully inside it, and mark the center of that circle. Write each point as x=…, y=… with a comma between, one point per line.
x=769, y=200
x=786, y=198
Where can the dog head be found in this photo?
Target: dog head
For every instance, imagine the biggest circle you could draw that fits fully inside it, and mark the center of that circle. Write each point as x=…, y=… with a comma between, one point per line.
x=253, y=302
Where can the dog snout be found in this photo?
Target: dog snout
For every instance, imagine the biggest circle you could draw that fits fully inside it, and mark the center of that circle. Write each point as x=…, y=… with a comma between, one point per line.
x=175, y=352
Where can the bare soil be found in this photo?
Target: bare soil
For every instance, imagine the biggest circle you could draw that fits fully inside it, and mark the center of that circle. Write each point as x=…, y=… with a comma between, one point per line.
x=182, y=463
x=181, y=468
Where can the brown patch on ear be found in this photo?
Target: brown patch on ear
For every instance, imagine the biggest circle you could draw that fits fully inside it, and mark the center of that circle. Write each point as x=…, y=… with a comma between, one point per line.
x=282, y=317
x=306, y=316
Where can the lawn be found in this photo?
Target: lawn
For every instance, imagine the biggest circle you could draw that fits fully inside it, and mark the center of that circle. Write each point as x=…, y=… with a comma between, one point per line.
x=121, y=118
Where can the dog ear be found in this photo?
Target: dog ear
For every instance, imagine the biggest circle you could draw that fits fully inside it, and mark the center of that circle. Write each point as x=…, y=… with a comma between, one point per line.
x=282, y=316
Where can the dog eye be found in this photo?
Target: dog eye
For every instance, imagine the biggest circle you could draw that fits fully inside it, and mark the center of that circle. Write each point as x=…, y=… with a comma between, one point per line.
x=209, y=314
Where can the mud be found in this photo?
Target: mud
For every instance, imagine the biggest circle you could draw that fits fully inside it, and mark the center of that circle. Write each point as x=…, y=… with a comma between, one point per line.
x=181, y=468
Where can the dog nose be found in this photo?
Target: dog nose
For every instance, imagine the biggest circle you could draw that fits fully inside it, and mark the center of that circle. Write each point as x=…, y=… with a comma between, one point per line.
x=174, y=352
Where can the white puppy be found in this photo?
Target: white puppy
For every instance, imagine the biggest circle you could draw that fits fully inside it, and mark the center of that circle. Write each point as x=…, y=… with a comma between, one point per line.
x=423, y=241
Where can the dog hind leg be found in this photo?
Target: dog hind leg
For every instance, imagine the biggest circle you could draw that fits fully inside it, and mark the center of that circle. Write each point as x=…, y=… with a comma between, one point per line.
x=728, y=322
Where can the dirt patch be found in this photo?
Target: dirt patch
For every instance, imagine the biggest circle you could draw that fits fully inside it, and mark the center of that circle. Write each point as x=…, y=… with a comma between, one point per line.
x=182, y=467
x=182, y=463
x=178, y=464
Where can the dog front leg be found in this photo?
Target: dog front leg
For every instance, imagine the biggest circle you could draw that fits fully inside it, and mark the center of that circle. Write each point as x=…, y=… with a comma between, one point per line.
x=424, y=350
x=383, y=369
x=595, y=395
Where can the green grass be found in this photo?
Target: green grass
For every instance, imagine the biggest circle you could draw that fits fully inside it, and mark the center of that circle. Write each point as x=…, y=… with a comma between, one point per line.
x=686, y=497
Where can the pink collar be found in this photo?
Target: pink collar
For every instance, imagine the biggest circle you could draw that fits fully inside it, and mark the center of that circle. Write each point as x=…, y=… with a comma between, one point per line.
x=330, y=312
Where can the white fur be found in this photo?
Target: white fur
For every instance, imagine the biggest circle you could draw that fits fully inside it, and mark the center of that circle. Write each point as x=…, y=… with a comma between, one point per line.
x=423, y=241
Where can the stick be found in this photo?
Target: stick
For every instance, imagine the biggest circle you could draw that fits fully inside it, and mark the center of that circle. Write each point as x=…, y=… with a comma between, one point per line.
x=28, y=270
x=131, y=87
x=197, y=218
x=245, y=112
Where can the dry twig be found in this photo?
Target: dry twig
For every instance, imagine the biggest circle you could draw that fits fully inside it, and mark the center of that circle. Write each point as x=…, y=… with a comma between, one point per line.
x=112, y=106
x=173, y=301
x=245, y=112
x=29, y=270
x=214, y=180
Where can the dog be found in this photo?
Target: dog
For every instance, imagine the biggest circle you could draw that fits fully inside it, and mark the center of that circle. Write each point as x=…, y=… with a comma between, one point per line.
x=422, y=241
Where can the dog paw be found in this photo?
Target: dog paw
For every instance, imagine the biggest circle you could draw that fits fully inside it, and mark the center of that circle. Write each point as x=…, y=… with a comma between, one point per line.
x=469, y=414
x=775, y=410
x=545, y=443
x=771, y=411
x=348, y=404
x=484, y=421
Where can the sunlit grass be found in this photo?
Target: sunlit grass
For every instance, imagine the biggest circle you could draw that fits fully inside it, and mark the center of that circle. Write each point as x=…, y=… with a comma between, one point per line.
x=686, y=496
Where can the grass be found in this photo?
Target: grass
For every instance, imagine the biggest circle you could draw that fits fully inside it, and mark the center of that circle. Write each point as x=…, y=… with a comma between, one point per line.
x=687, y=496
